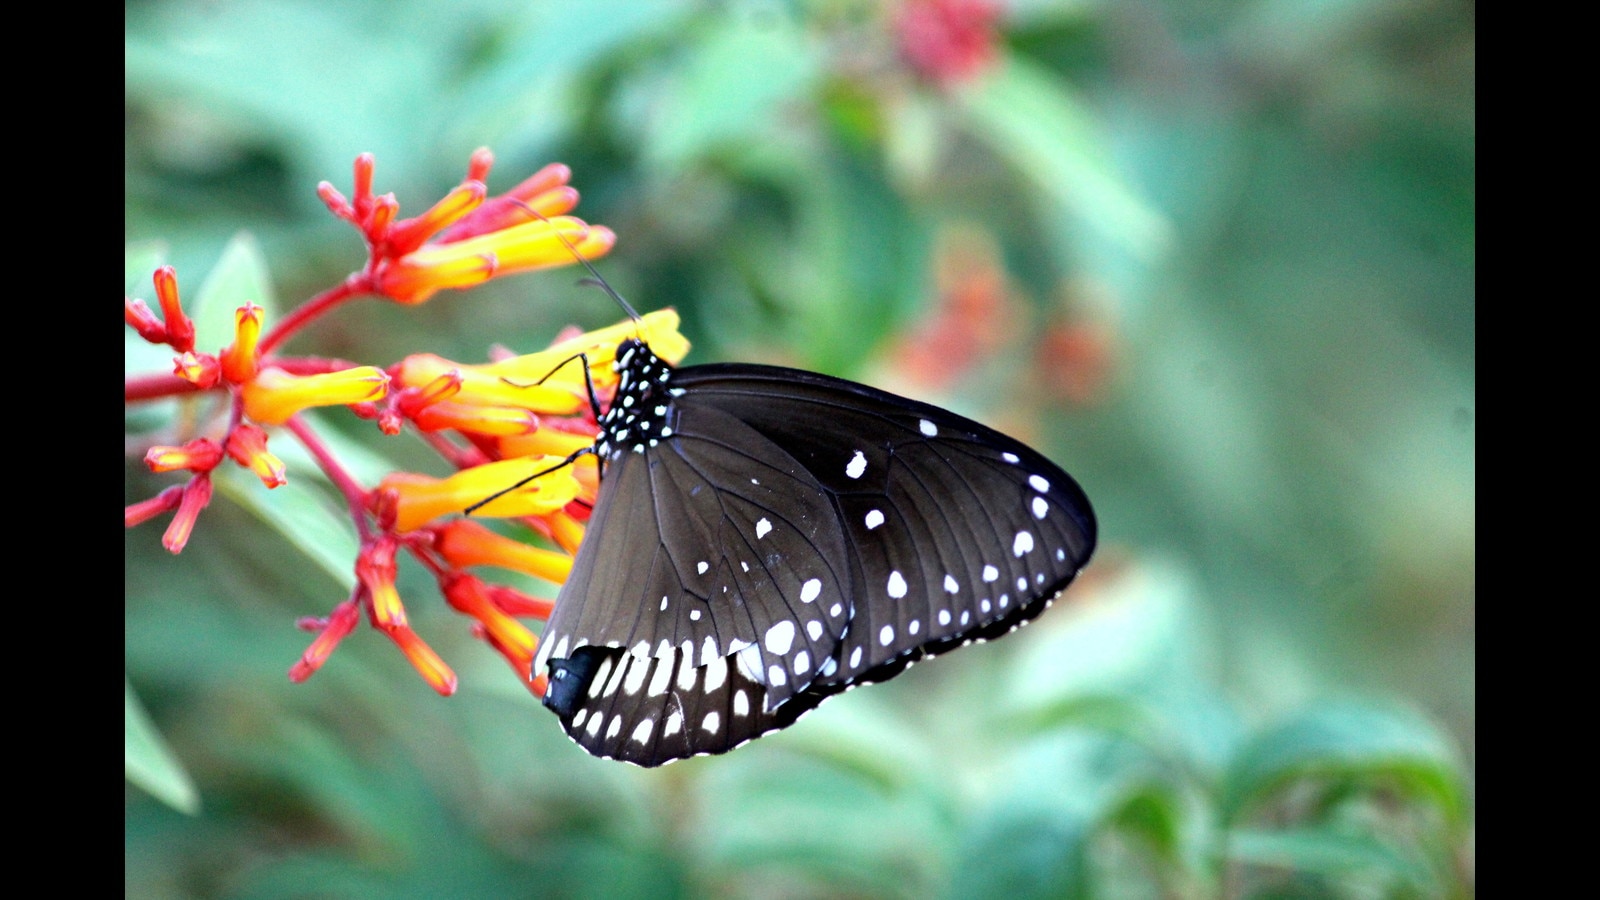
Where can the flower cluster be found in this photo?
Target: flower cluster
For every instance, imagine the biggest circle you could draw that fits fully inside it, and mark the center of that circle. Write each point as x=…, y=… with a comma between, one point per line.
x=514, y=431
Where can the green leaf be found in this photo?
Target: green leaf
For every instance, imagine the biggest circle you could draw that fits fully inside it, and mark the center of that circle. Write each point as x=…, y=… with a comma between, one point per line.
x=299, y=511
x=1365, y=742
x=740, y=79
x=239, y=276
x=1334, y=852
x=150, y=763
x=1038, y=123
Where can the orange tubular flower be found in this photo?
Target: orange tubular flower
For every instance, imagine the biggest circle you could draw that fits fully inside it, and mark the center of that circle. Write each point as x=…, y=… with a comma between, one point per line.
x=532, y=245
x=239, y=360
x=470, y=595
x=464, y=240
x=420, y=499
x=422, y=658
x=274, y=395
x=521, y=421
x=247, y=446
x=464, y=543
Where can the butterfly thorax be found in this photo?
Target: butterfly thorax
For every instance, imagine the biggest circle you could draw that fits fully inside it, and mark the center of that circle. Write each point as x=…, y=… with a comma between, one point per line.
x=637, y=418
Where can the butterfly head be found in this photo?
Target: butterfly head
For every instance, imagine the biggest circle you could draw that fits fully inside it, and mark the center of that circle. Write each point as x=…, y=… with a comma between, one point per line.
x=637, y=419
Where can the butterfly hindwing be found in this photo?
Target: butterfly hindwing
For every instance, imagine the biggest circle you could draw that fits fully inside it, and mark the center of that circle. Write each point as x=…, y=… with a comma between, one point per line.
x=698, y=599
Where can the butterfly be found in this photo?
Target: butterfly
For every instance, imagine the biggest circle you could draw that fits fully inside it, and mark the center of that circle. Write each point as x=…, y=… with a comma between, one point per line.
x=765, y=538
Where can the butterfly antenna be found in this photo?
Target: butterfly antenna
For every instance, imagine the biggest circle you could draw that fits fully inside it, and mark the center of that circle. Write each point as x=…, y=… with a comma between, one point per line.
x=596, y=278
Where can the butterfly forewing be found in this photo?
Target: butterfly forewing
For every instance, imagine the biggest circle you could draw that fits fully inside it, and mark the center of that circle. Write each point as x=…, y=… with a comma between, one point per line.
x=765, y=538
x=956, y=532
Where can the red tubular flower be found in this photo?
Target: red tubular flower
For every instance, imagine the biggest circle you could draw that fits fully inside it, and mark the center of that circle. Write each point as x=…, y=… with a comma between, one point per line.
x=196, y=495
x=375, y=567
x=422, y=658
x=515, y=603
x=179, y=327
x=139, y=316
x=145, y=510
x=199, y=369
x=247, y=446
x=470, y=595
x=339, y=623
x=199, y=455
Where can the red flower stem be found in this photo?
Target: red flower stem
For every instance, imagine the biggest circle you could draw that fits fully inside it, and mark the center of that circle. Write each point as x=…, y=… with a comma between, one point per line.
x=155, y=386
x=354, y=285
x=354, y=494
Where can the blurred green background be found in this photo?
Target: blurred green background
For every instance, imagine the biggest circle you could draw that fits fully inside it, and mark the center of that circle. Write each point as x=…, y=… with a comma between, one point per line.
x=1217, y=259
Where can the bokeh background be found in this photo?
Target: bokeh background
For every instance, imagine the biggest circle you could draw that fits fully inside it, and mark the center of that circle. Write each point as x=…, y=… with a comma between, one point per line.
x=1216, y=259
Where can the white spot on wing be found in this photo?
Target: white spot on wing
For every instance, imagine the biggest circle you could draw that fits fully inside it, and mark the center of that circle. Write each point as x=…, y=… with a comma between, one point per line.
x=763, y=527
x=810, y=590
x=674, y=724
x=944, y=617
x=641, y=733
x=701, y=567
x=928, y=428
x=661, y=678
x=780, y=637
x=802, y=662
x=990, y=573
x=814, y=628
x=716, y=674
x=1040, y=507
x=712, y=722
x=1022, y=544
x=874, y=519
x=741, y=704
x=776, y=676
x=1010, y=457
x=885, y=635
x=708, y=651
x=950, y=585
x=857, y=465
x=638, y=667
x=897, y=584
x=1038, y=483
x=594, y=724
x=855, y=657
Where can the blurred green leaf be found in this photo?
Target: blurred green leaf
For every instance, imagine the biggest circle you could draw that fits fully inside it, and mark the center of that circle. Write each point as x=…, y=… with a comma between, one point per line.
x=741, y=76
x=1039, y=124
x=305, y=516
x=239, y=277
x=1382, y=868
x=1373, y=744
x=150, y=763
